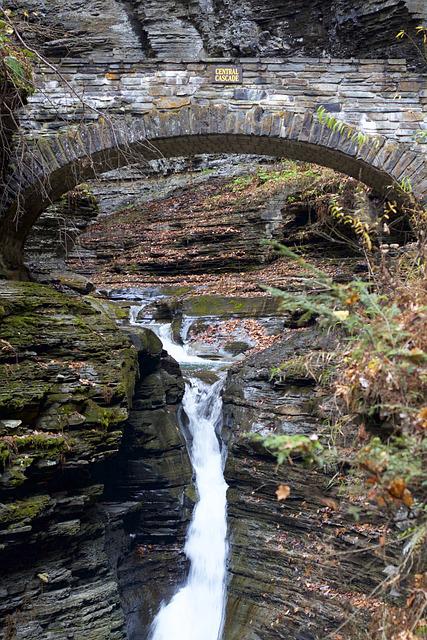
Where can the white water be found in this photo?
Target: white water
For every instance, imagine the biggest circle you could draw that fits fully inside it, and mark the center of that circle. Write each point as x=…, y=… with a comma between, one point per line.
x=181, y=353
x=196, y=611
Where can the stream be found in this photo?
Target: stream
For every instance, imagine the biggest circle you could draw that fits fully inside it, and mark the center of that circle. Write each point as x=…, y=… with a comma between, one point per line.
x=196, y=611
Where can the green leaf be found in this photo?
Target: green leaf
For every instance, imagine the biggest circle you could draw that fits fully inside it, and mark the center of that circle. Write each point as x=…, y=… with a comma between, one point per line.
x=13, y=64
x=5, y=27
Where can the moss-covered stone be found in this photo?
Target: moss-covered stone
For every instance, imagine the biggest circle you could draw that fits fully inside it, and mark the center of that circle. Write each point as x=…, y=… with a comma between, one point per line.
x=104, y=416
x=226, y=306
x=65, y=366
x=209, y=377
x=23, y=511
x=236, y=347
x=307, y=368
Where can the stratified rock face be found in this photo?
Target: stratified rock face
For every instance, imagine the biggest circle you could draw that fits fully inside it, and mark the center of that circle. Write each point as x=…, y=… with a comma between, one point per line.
x=192, y=232
x=298, y=568
x=310, y=27
x=53, y=235
x=149, y=496
x=84, y=481
x=210, y=225
x=67, y=380
x=180, y=29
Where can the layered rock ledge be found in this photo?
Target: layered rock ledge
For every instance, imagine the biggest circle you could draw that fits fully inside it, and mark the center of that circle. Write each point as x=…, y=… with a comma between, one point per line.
x=91, y=459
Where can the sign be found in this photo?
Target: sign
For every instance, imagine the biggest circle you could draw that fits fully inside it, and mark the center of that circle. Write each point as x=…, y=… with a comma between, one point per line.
x=228, y=74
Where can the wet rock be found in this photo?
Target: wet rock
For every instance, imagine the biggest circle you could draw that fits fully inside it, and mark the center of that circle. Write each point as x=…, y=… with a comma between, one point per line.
x=236, y=347
x=153, y=475
x=95, y=492
x=298, y=569
x=72, y=281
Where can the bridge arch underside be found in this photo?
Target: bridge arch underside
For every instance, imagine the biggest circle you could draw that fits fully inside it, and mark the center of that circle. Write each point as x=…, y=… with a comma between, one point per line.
x=61, y=163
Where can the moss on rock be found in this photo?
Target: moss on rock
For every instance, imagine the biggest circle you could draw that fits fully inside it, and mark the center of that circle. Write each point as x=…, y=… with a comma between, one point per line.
x=65, y=366
x=23, y=511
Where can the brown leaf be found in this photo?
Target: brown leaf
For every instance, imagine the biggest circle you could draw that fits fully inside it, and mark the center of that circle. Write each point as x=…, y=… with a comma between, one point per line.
x=410, y=600
x=380, y=501
x=397, y=487
x=283, y=492
x=362, y=434
x=331, y=504
x=407, y=498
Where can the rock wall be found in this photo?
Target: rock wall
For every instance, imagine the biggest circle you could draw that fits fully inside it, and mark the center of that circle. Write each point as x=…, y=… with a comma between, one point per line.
x=85, y=475
x=184, y=29
x=67, y=381
x=186, y=233
x=54, y=239
x=149, y=495
x=300, y=568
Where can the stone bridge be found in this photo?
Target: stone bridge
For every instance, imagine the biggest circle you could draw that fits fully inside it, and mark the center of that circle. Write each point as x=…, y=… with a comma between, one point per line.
x=165, y=109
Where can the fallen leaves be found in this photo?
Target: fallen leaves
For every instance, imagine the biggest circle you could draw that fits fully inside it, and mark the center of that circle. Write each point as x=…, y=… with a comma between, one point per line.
x=283, y=492
x=330, y=503
x=422, y=417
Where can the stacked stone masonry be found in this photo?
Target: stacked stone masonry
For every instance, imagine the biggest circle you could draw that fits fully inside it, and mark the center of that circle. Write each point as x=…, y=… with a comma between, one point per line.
x=378, y=96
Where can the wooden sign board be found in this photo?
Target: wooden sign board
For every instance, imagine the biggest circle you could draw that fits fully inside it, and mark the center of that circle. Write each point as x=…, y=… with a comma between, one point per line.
x=228, y=74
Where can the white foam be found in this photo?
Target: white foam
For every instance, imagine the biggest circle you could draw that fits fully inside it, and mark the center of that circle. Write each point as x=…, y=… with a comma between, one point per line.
x=196, y=612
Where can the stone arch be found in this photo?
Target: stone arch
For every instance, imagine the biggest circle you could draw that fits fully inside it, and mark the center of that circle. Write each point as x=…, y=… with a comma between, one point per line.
x=55, y=164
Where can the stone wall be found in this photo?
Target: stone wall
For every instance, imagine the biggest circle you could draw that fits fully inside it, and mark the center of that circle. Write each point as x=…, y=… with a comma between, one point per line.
x=378, y=96
x=56, y=164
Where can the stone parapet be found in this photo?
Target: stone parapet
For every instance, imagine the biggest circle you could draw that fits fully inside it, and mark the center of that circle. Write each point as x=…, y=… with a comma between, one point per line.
x=378, y=96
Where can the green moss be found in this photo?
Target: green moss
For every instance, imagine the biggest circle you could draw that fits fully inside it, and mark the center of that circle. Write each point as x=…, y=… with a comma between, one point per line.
x=16, y=478
x=191, y=493
x=129, y=364
x=153, y=344
x=175, y=291
x=289, y=369
x=41, y=442
x=113, y=310
x=222, y=306
x=18, y=395
x=22, y=511
x=36, y=445
x=52, y=336
x=318, y=367
x=96, y=442
x=176, y=327
x=4, y=455
x=216, y=305
x=236, y=347
x=14, y=474
x=106, y=417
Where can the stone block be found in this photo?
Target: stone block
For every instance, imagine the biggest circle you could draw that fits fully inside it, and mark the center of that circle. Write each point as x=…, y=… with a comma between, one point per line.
x=171, y=103
x=411, y=86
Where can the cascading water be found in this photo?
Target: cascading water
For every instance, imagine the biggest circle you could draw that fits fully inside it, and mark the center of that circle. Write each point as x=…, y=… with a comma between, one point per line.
x=196, y=611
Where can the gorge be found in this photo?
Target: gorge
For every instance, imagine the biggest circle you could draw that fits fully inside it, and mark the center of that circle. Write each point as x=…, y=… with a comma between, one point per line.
x=212, y=321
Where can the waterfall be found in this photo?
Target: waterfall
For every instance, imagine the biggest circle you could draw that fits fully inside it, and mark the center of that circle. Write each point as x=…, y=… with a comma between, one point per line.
x=196, y=611
x=179, y=352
